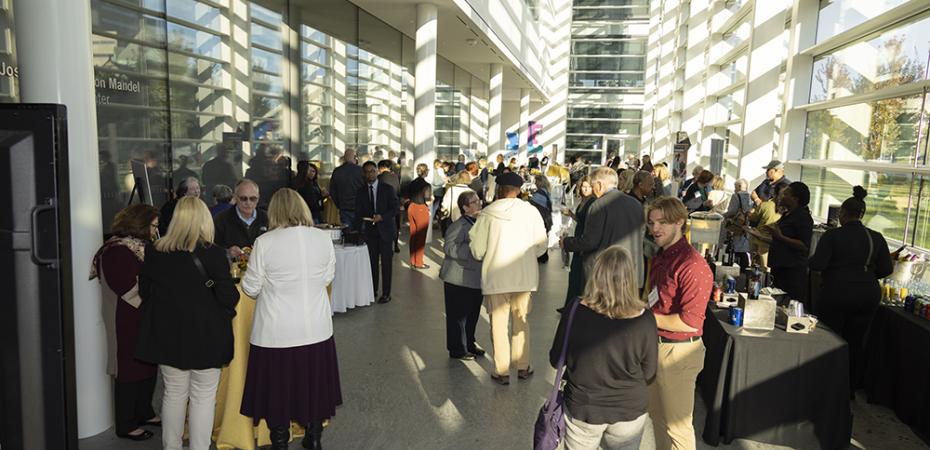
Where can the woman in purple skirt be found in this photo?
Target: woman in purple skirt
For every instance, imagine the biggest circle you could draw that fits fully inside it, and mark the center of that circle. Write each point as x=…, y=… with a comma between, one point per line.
x=292, y=372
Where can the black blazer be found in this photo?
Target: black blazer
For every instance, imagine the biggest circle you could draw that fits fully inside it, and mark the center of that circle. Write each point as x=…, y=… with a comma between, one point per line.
x=615, y=218
x=184, y=323
x=388, y=206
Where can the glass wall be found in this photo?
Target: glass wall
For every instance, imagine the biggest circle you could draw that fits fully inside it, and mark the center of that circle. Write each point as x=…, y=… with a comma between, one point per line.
x=879, y=142
x=606, y=78
x=220, y=89
x=9, y=71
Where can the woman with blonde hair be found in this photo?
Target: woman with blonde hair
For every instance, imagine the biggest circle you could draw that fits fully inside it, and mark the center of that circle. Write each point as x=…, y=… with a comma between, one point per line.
x=610, y=355
x=292, y=373
x=449, y=210
x=718, y=196
x=189, y=300
x=663, y=180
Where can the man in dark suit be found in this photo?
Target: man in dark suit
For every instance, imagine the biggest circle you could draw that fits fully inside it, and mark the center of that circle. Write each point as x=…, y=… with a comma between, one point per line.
x=614, y=218
x=387, y=176
x=346, y=180
x=376, y=205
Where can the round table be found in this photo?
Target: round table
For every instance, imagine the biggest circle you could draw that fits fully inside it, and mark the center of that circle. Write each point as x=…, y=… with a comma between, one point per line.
x=352, y=285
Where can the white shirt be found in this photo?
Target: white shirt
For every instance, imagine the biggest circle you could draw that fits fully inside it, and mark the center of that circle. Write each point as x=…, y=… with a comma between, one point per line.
x=288, y=272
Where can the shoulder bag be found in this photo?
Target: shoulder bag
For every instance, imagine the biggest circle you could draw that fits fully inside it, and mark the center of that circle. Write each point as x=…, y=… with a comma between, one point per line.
x=209, y=281
x=550, y=423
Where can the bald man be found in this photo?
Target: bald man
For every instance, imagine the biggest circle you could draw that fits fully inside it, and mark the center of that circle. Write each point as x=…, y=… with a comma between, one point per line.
x=345, y=183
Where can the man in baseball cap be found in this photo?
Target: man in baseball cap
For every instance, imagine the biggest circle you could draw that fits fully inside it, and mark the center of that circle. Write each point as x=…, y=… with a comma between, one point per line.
x=774, y=175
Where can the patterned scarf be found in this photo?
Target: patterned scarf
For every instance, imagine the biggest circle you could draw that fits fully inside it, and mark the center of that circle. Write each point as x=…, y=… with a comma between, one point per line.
x=136, y=245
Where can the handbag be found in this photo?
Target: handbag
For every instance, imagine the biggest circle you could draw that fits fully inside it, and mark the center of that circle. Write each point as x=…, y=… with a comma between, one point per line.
x=549, y=431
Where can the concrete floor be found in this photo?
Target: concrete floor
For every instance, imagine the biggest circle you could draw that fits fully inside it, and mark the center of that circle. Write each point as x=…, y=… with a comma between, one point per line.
x=401, y=390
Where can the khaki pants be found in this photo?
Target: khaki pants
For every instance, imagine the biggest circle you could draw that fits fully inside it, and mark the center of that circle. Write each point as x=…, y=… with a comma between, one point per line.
x=502, y=308
x=671, y=394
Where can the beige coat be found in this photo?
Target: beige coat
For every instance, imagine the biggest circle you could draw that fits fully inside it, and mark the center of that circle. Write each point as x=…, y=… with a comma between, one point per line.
x=507, y=238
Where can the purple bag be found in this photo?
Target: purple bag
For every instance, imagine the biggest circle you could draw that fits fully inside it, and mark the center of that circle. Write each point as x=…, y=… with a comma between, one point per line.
x=550, y=423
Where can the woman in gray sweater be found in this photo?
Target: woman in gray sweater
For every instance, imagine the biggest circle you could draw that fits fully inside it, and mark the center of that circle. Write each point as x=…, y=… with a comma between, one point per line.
x=461, y=274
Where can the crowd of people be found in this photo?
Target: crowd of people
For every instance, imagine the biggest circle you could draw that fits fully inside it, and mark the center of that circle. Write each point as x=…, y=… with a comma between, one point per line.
x=637, y=289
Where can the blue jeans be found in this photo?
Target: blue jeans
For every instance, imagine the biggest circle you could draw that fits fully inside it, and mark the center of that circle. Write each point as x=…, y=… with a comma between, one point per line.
x=346, y=217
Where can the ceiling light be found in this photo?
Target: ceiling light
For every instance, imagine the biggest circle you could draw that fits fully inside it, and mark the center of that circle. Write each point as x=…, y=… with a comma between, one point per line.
x=471, y=42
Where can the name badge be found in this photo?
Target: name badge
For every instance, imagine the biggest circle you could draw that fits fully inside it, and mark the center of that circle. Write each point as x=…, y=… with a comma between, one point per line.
x=653, y=297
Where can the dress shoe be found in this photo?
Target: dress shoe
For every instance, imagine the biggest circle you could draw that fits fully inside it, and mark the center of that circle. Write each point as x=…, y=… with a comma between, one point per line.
x=502, y=380
x=384, y=299
x=423, y=267
x=143, y=436
x=477, y=351
x=396, y=249
x=524, y=373
x=462, y=356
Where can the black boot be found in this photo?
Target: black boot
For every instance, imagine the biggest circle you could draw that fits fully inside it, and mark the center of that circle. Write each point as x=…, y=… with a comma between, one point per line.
x=314, y=434
x=280, y=437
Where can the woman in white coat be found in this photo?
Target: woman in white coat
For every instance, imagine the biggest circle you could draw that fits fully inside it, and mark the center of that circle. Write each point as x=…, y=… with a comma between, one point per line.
x=292, y=373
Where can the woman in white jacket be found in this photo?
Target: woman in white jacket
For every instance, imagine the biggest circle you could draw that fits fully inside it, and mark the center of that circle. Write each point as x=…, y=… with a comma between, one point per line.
x=292, y=372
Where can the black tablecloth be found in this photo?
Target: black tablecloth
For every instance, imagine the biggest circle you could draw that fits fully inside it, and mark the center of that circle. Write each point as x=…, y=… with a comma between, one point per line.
x=775, y=387
x=897, y=374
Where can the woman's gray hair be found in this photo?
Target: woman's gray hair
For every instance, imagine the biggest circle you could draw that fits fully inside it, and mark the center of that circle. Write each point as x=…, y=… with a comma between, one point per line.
x=222, y=193
x=464, y=198
x=740, y=185
x=542, y=182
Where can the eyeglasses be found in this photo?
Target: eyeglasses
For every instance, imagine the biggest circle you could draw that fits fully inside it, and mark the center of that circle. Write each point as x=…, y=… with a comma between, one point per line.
x=248, y=199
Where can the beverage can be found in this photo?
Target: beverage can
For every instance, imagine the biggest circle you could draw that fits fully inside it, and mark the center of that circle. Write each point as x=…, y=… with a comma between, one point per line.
x=717, y=294
x=731, y=285
x=736, y=316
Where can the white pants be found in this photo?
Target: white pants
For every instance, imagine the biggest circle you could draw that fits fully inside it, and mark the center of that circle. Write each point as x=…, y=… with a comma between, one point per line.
x=614, y=436
x=198, y=386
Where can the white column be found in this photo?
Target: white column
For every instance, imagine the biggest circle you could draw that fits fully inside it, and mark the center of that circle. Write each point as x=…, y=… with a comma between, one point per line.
x=424, y=119
x=54, y=52
x=767, y=53
x=495, y=106
x=524, y=124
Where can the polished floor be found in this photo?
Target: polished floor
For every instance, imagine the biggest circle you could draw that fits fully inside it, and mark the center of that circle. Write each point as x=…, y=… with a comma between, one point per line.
x=401, y=390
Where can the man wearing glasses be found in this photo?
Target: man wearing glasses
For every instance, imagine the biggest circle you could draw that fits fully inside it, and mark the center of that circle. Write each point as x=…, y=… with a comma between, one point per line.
x=238, y=227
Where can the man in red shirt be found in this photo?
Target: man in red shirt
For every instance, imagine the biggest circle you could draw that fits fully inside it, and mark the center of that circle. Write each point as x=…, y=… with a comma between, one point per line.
x=680, y=288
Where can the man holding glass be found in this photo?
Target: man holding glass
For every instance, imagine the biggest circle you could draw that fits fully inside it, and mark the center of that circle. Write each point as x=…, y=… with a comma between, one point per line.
x=238, y=227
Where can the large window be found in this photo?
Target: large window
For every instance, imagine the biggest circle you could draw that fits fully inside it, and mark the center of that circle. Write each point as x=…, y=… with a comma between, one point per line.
x=837, y=16
x=879, y=142
x=892, y=58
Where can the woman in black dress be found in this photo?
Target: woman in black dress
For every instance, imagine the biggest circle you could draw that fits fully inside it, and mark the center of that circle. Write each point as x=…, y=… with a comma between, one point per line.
x=576, y=272
x=851, y=259
x=791, y=241
x=188, y=302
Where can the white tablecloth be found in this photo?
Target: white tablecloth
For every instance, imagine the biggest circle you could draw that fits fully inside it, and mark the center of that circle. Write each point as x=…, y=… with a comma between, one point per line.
x=352, y=285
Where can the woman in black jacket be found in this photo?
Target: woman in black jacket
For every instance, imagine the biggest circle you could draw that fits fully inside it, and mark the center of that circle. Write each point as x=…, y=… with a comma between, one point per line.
x=851, y=259
x=610, y=357
x=189, y=299
x=576, y=272
x=307, y=185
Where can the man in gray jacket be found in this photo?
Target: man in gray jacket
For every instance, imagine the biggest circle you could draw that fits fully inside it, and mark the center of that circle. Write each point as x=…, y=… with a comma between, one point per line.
x=614, y=218
x=461, y=274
